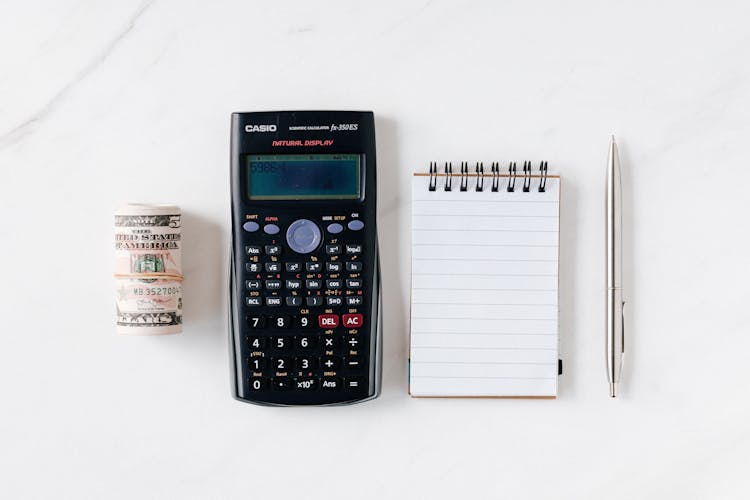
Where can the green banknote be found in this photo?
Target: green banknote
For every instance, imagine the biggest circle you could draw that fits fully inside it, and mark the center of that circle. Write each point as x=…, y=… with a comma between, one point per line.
x=148, y=269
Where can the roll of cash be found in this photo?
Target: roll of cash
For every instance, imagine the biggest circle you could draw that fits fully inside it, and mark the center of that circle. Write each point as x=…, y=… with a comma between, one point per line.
x=148, y=269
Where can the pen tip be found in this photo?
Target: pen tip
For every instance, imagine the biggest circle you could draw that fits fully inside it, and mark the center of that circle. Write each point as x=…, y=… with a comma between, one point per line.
x=612, y=138
x=612, y=389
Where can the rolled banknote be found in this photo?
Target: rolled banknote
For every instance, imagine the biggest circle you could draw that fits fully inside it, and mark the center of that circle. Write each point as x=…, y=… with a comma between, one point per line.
x=148, y=269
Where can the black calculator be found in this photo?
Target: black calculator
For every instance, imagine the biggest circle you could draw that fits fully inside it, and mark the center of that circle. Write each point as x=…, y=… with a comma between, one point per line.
x=305, y=278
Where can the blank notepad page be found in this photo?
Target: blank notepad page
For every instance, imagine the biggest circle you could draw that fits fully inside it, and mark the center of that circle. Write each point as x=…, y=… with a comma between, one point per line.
x=484, y=305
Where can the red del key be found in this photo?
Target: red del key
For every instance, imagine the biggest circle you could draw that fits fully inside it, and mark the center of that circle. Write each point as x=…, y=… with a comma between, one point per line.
x=328, y=320
x=352, y=320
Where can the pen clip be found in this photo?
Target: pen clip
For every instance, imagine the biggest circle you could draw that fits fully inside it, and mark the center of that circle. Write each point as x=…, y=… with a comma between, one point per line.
x=622, y=310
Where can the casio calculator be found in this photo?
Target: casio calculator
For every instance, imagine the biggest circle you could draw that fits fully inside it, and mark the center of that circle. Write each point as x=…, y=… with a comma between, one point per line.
x=305, y=278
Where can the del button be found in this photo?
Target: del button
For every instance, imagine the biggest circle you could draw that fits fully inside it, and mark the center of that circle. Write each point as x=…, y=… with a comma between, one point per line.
x=328, y=320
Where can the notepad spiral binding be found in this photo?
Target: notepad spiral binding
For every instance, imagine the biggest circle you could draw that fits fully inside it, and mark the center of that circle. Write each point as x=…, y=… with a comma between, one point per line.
x=494, y=174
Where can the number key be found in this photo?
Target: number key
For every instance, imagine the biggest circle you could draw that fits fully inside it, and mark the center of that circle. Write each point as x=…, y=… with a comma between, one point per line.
x=282, y=364
x=258, y=384
x=282, y=321
x=302, y=322
x=306, y=342
x=256, y=322
x=258, y=342
x=282, y=343
x=257, y=363
x=306, y=363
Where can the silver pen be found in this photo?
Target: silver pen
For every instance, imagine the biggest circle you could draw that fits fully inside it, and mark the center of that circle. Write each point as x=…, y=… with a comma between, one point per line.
x=615, y=304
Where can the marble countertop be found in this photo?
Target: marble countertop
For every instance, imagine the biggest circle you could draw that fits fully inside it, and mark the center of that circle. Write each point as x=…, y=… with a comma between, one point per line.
x=103, y=103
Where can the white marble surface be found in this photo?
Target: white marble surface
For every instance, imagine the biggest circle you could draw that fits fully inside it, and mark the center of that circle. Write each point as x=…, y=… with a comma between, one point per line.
x=107, y=102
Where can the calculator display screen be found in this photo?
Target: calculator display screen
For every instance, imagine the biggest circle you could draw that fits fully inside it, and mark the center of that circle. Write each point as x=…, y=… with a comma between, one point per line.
x=303, y=177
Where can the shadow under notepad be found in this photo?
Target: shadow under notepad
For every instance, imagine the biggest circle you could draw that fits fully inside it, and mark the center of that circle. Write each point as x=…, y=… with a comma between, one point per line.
x=568, y=274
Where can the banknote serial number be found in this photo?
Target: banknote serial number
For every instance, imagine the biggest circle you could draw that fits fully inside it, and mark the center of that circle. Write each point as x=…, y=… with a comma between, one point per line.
x=163, y=290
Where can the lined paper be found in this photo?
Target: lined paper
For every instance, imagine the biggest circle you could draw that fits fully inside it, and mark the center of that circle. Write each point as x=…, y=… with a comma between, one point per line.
x=484, y=310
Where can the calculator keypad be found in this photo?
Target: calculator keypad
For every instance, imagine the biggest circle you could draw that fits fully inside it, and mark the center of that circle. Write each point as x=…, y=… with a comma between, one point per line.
x=305, y=312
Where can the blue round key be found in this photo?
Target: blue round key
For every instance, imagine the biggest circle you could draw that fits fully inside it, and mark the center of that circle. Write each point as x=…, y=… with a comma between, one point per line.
x=356, y=225
x=250, y=226
x=335, y=228
x=303, y=236
x=271, y=229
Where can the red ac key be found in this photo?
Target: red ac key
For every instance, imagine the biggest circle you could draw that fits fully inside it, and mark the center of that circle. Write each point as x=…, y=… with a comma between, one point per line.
x=352, y=320
x=328, y=320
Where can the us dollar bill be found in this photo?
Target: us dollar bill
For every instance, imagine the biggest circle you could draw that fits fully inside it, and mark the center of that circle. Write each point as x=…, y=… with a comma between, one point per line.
x=148, y=269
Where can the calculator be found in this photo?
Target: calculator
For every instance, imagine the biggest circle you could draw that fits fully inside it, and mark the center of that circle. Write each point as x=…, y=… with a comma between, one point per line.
x=305, y=322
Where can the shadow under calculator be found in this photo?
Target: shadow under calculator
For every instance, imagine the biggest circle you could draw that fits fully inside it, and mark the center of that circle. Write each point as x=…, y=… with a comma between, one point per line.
x=393, y=266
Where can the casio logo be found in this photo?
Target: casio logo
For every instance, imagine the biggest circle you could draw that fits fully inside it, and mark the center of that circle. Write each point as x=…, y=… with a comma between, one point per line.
x=260, y=128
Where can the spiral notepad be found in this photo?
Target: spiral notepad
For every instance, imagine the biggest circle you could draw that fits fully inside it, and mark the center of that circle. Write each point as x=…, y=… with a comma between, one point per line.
x=484, y=301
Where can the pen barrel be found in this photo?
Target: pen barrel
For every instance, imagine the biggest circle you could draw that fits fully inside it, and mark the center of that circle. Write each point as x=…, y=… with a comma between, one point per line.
x=614, y=221
x=615, y=319
x=615, y=329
